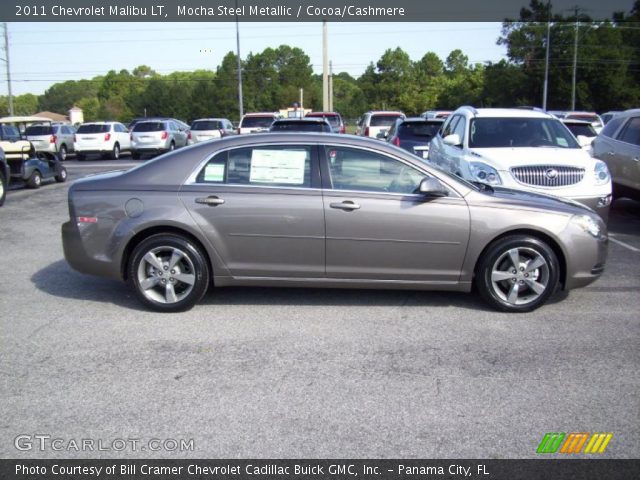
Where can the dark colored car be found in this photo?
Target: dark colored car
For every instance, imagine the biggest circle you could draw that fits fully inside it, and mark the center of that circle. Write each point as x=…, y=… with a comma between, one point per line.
x=334, y=119
x=323, y=210
x=414, y=134
x=317, y=125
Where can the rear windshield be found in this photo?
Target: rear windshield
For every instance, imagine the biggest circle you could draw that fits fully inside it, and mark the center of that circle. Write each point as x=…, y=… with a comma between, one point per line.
x=39, y=130
x=418, y=129
x=256, y=122
x=298, y=127
x=586, y=130
x=94, y=128
x=383, y=120
x=334, y=120
x=207, y=125
x=148, y=127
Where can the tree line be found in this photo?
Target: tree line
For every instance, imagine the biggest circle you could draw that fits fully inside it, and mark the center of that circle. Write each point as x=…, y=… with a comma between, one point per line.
x=607, y=77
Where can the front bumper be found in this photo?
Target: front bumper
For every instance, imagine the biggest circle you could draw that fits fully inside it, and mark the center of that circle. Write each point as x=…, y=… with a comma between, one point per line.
x=600, y=204
x=586, y=255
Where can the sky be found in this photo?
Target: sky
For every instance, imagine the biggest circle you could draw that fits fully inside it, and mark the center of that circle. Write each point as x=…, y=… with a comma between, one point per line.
x=42, y=54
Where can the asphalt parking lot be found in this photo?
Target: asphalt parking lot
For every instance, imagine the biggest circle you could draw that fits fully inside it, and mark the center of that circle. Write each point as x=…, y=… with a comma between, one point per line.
x=297, y=373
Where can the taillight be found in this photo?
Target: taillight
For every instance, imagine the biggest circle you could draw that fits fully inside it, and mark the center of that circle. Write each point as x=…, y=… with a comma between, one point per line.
x=366, y=132
x=164, y=136
x=396, y=141
x=75, y=139
x=343, y=130
x=107, y=137
x=131, y=136
x=221, y=133
x=189, y=136
x=52, y=139
x=239, y=132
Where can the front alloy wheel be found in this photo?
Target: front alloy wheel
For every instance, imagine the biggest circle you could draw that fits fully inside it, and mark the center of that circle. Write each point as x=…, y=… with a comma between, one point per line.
x=518, y=274
x=169, y=273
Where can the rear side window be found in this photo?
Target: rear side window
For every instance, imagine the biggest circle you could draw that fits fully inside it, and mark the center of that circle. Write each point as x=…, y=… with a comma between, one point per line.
x=93, y=128
x=149, y=127
x=39, y=130
x=611, y=127
x=257, y=122
x=631, y=132
x=278, y=166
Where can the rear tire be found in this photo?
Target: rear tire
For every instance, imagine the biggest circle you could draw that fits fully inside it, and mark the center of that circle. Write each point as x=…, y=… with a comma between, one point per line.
x=518, y=273
x=115, y=153
x=62, y=176
x=168, y=273
x=3, y=189
x=62, y=153
x=35, y=180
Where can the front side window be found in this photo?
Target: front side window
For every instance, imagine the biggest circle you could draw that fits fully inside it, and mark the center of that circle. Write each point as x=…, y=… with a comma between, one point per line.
x=450, y=126
x=277, y=166
x=353, y=169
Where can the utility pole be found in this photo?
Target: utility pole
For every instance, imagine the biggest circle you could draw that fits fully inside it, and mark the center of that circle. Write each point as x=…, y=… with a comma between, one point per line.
x=240, y=102
x=8, y=63
x=575, y=62
x=325, y=69
x=546, y=58
x=330, y=86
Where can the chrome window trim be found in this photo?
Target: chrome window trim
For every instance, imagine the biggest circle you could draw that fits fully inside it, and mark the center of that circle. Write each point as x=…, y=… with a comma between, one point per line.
x=191, y=179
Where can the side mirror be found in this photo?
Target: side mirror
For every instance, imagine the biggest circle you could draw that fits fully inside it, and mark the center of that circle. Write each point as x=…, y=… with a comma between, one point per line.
x=431, y=187
x=454, y=140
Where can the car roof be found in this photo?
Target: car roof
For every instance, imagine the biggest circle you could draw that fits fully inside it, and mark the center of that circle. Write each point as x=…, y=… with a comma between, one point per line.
x=575, y=121
x=301, y=120
x=20, y=119
x=260, y=114
x=385, y=112
x=328, y=114
x=505, y=112
x=101, y=122
x=208, y=119
x=421, y=120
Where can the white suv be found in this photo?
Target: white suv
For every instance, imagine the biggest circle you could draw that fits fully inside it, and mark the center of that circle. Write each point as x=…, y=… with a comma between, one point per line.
x=522, y=149
x=375, y=124
x=107, y=139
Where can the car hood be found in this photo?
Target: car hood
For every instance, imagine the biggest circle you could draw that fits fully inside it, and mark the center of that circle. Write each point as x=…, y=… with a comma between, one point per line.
x=506, y=158
x=526, y=199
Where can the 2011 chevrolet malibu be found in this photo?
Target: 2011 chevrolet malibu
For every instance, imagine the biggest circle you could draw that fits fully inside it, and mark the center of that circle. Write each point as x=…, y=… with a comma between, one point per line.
x=324, y=210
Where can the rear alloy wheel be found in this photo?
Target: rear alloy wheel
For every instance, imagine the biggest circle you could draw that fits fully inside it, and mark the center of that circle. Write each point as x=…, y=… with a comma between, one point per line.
x=62, y=153
x=35, y=180
x=169, y=273
x=518, y=274
x=115, y=153
x=62, y=176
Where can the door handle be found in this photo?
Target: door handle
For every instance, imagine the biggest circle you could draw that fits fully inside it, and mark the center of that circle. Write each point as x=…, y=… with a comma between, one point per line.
x=346, y=205
x=212, y=201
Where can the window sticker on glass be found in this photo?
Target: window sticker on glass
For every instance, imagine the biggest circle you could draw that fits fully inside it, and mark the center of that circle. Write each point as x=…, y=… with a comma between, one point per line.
x=214, y=172
x=562, y=142
x=278, y=166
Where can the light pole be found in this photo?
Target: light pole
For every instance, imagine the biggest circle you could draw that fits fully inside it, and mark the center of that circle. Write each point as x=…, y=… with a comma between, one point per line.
x=546, y=58
x=240, y=102
x=8, y=63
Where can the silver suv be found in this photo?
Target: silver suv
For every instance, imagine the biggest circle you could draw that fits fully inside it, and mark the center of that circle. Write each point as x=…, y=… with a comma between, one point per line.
x=522, y=149
x=55, y=138
x=157, y=136
x=619, y=146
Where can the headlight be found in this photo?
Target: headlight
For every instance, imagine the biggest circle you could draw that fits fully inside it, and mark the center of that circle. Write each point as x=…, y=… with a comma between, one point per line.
x=485, y=174
x=588, y=224
x=601, y=173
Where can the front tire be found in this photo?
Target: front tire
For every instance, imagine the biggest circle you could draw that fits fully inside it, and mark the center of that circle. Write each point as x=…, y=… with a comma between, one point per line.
x=518, y=273
x=35, y=180
x=168, y=273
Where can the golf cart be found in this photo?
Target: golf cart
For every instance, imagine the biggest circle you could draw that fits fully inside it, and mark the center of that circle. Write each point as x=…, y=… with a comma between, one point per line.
x=25, y=164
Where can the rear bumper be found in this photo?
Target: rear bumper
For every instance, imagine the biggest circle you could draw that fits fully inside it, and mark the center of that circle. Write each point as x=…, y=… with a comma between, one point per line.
x=76, y=255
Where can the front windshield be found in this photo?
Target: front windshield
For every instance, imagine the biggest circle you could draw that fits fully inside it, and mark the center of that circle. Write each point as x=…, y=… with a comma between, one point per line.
x=519, y=132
